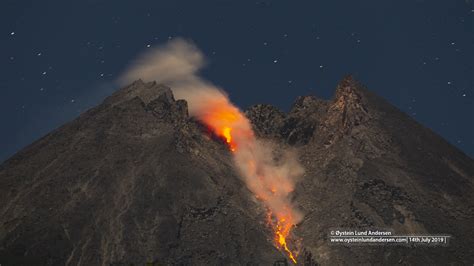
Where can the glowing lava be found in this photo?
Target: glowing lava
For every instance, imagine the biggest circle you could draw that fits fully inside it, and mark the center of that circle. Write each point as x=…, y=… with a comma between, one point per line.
x=226, y=121
x=283, y=228
x=269, y=171
x=271, y=182
x=226, y=132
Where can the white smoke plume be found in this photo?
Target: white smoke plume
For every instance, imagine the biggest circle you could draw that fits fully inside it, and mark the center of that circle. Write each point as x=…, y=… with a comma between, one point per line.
x=176, y=64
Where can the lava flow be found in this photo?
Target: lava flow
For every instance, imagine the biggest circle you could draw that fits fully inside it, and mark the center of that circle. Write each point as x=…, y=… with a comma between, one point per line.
x=282, y=226
x=270, y=181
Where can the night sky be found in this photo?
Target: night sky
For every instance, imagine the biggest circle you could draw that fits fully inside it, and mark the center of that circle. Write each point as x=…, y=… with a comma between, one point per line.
x=59, y=58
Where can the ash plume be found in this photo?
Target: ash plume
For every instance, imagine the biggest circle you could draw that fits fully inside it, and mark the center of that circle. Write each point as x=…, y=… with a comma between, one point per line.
x=177, y=64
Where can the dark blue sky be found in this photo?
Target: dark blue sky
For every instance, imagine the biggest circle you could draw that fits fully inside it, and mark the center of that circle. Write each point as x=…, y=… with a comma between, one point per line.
x=59, y=58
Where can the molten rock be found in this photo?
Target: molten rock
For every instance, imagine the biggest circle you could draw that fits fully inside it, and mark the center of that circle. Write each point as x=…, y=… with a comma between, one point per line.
x=137, y=180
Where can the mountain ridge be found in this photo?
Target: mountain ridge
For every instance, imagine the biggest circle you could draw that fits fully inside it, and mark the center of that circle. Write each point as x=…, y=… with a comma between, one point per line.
x=136, y=180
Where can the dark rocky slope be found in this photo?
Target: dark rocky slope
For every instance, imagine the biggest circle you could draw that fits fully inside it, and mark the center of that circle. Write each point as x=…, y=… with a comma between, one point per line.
x=137, y=180
x=370, y=165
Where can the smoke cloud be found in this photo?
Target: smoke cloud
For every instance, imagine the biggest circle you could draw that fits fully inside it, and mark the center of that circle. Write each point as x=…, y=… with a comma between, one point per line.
x=176, y=64
x=271, y=174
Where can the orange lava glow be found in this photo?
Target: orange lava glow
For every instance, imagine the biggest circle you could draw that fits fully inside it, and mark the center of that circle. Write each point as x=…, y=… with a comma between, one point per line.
x=229, y=123
x=282, y=231
x=282, y=227
x=226, y=132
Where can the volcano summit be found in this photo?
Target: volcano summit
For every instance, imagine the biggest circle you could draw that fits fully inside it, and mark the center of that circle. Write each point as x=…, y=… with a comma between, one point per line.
x=138, y=180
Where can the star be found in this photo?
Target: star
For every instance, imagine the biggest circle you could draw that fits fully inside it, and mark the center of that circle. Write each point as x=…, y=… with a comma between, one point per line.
x=101, y=74
x=39, y=54
x=275, y=61
x=72, y=101
x=12, y=33
x=463, y=95
x=265, y=43
x=148, y=45
x=44, y=73
x=321, y=66
x=449, y=82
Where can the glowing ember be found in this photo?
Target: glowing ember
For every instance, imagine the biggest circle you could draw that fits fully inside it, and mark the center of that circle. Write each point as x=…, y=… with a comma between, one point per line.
x=270, y=182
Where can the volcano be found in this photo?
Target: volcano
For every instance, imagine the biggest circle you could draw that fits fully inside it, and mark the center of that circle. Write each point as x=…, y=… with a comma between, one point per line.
x=137, y=181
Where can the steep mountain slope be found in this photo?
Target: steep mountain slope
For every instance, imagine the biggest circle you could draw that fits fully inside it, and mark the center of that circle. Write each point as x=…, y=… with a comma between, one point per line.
x=133, y=180
x=370, y=165
x=136, y=180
